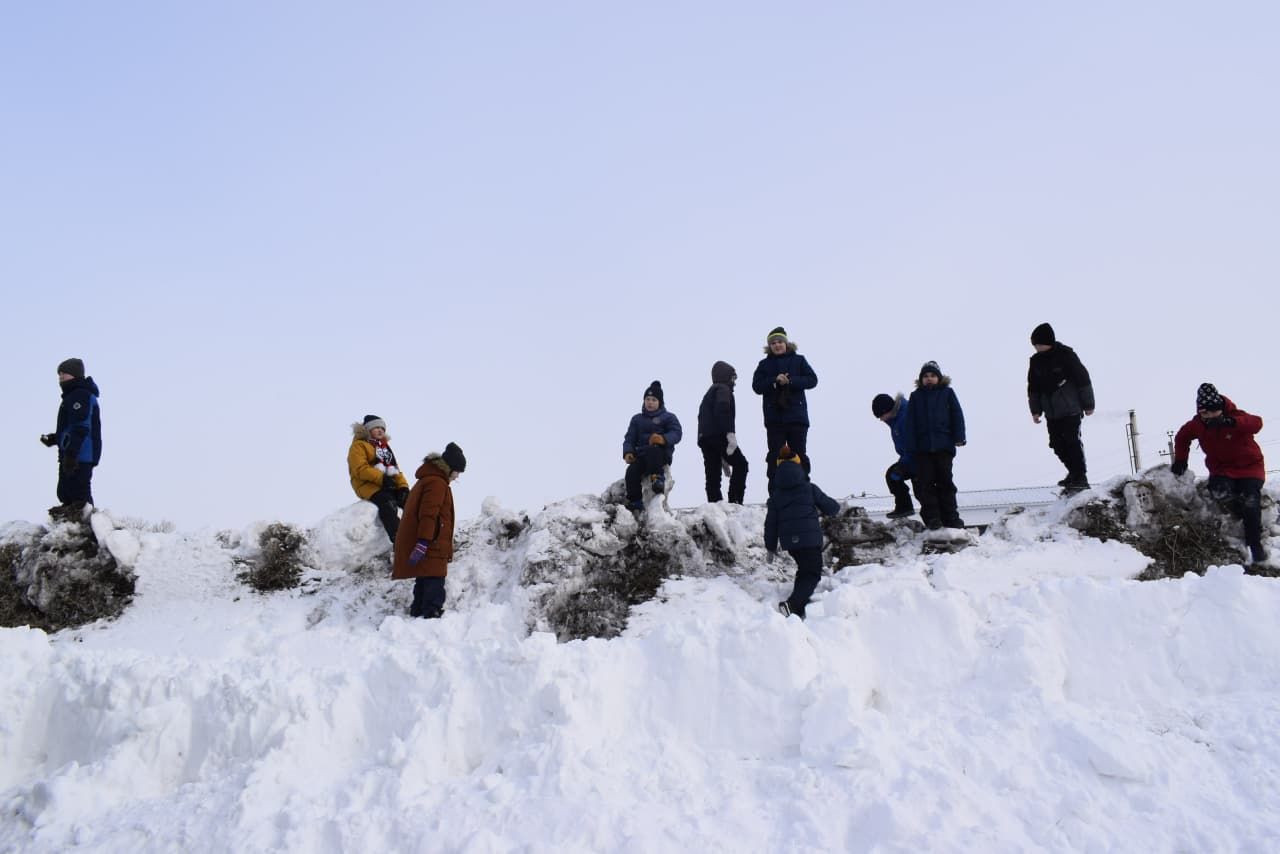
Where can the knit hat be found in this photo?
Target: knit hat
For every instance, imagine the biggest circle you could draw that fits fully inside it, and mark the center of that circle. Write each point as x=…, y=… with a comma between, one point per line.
x=654, y=390
x=454, y=458
x=1207, y=397
x=778, y=332
x=1043, y=334
x=75, y=367
x=930, y=367
x=722, y=372
x=881, y=405
x=371, y=421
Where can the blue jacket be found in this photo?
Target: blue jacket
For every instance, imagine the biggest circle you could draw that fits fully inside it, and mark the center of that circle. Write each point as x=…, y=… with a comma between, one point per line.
x=784, y=404
x=79, y=429
x=935, y=421
x=898, y=430
x=645, y=424
x=792, y=515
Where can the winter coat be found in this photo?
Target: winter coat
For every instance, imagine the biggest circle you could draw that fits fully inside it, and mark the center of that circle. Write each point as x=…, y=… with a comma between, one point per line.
x=1228, y=451
x=935, y=421
x=717, y=414
x=897, y=429
x=645, y=424
x=428, y=515
x=79, y=431
x=791, y=518
x=784, y=404
x=362, y=459
x=1058, y=384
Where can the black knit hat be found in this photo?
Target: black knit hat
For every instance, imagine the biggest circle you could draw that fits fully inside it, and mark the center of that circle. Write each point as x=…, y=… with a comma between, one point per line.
x=1043, y=334
x=881, y=405
x=371, y=421
x=1207, y=397
x=930, y=367
x=454, y=458
x=75, y=367
x=655, y=390
x=777, y=332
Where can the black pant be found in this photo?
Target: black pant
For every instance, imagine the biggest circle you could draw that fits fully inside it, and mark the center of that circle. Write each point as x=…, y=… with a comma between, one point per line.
x=74, y=486
x=896, y=477
x=808, y=574
x=935, y=488
x=1243, y=497
x=713, y=451
x=1064, y=438
x=649, y=461
x=428, y=597
x=795, y=436
x=387, y=500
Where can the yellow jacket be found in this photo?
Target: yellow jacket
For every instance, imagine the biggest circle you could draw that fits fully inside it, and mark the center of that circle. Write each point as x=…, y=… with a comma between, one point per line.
x=362, y=460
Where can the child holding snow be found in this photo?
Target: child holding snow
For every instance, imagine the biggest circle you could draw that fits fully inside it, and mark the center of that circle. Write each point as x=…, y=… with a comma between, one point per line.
x=791, y=520
x=934, y=429
x=374, y=474
x=1236, y=468
x=424, y=544
x=649, y=445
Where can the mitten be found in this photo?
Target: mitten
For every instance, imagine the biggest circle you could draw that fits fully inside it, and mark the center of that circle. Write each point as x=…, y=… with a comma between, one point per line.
x=960, y=444
x=1179, y=467
x=380, y=467
x=726, y=468
x=48, y=440
x=730, y=443
x=419, y=552
x=656, y=439
x=392, y=470
x=628, y=458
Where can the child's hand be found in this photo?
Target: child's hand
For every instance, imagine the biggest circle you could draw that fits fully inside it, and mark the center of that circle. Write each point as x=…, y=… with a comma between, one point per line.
x=656, y=439
x=628, y=458
x=419, y=552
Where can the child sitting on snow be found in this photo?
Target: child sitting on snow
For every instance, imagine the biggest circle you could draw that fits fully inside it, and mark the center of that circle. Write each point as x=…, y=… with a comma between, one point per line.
x=649, y=445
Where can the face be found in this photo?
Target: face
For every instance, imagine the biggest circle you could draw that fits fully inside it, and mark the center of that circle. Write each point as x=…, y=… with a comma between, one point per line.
x=454, y=475
x=651, y=403
x=63, y=376
x=887, y=417
x=377, y=433
x=778, y=346
x=929, y=379
x=1209, y=414
x=1041, y=348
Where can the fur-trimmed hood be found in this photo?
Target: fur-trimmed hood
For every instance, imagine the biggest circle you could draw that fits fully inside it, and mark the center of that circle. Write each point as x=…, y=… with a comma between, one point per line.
x=359, y=431
x=791, y=348
x=430, y=461
x=943, y=381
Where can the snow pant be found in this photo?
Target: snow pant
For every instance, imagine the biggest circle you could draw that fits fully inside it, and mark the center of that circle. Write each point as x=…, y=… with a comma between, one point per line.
x=1064, y=438
x=649, y=461
x=896, y=477
x=1243, y=497
x=388, y=500
x=74, y=487
x=796, y=436
x=936, y=489
x=808, y=574
x=428, y=597
x=713, y=453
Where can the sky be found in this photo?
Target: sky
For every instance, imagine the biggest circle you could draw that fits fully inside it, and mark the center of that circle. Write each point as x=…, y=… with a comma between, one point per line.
x=495, y=224
x=1020, y=695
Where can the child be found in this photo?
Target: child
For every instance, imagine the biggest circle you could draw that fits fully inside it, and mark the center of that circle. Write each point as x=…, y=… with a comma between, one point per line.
x=893, y=412
x=424, y=545
x=934, y=429
x=1236, y=468
x=649, y=445
x=792, y=521
x=1059, y=389
x=718, y=438
x=374, y=474
x=781, y=379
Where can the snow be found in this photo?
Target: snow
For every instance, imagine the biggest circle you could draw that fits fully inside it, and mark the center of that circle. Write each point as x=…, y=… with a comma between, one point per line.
x=1020, y=694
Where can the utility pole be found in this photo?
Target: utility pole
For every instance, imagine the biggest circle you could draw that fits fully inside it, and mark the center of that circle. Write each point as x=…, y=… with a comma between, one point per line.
x=1131, y=433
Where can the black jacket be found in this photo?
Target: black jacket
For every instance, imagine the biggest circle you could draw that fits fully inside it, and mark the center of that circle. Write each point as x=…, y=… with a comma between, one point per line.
x=1058, y=384
x=784, y=404
x=792, y=516
x=718, y=413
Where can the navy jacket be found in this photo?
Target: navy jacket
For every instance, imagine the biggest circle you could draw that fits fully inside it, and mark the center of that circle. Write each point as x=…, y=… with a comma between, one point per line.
x=935, y=421
x=79, y=424
x=791, y=519
x=1058, y=384
x=898, y=430
x=718, y=412
x=784, y=404
x=645, y=424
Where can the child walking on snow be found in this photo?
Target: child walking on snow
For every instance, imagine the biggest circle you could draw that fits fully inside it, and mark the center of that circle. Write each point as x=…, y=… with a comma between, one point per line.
x=791, y=521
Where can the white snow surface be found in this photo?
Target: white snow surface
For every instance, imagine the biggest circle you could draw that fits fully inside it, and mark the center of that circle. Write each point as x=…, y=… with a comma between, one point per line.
x=1021, y=695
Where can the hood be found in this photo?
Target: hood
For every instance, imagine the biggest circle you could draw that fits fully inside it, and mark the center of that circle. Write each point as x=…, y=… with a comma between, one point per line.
x=86, y=383
x=789, y=474
x=722, y=372
x=943, y=382
x=792, y=349
x=359, y=431
x=433, y=465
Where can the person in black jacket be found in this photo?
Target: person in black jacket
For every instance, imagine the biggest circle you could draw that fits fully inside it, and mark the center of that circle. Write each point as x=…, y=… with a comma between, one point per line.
x=78, y=438
x=781, y=379
x=1059, y=388
x=791, y=521
x=934, y=429
x=718, y=437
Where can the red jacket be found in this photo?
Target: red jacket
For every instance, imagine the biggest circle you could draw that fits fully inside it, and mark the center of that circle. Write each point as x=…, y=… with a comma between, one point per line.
x=1228, y=451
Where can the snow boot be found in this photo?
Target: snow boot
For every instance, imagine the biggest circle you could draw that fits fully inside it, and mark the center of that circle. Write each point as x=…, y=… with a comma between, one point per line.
x=659, y=484
x=900, y=512
x=785, y=609
x=1075, y=484
x=1257, y=554
x=953, y=522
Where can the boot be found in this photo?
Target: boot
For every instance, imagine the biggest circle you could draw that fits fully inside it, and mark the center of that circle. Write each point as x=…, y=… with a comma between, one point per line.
x=1257, y=553
x=900, y=512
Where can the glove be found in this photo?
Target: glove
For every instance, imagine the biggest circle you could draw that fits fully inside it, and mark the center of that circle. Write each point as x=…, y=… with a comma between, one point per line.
x=48, y=440
x=419, y=552
x=960, y=444
x=69, y=465
x=1178, y=468
x=731, y=444
x=389, y=481
x=628, y=458
x=656, y=439
x=726, y=468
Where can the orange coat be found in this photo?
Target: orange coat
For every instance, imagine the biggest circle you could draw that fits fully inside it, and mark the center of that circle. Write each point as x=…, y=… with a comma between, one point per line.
x=428, y=515
x=361, y=459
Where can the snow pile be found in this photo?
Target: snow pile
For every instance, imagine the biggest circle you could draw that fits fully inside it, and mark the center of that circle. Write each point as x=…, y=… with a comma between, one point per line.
x=1022, y=693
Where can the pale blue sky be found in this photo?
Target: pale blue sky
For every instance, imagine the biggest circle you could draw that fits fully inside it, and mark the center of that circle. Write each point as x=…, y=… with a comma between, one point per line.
x=495, y=223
